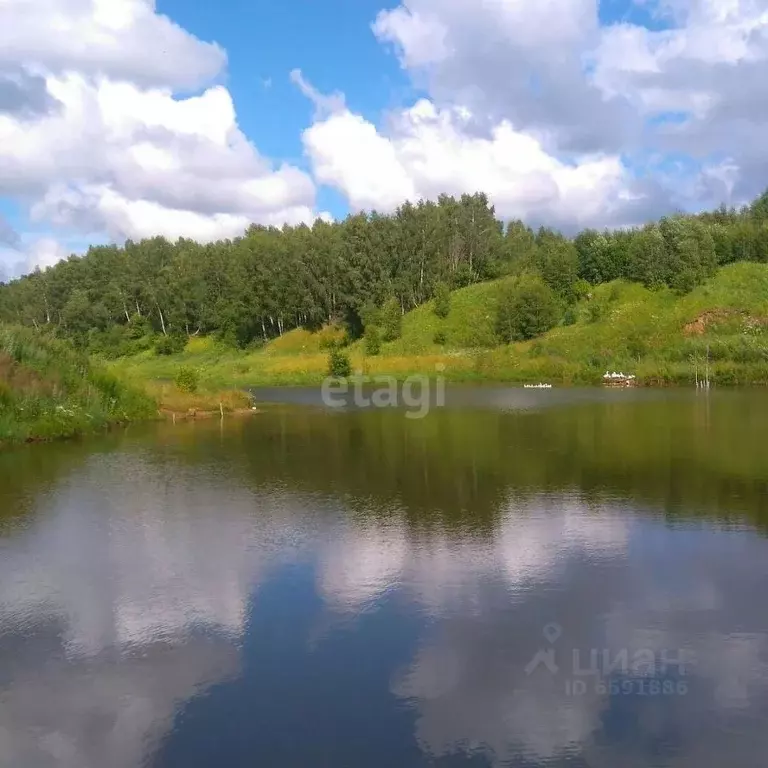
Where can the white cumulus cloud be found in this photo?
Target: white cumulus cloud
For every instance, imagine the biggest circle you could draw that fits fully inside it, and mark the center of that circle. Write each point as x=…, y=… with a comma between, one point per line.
x=121, y=39
x=709, y=69
x=113, y=121
x=558, y=116
x=426, y=150
x=98, y=136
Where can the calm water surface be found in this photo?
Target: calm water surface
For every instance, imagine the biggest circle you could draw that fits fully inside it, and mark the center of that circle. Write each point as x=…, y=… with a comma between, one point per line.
x=523, y=578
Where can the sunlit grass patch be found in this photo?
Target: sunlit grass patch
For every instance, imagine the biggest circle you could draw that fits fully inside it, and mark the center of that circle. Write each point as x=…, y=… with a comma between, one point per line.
x=172, y=399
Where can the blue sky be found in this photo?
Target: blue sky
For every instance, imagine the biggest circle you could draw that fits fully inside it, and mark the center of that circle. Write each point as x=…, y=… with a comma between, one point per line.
x=330, y=41
x=572, y=113
x=333, y=44
x=646, y=14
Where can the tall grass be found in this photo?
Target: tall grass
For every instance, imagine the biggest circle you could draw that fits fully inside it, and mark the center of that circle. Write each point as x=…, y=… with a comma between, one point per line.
x=49, y=390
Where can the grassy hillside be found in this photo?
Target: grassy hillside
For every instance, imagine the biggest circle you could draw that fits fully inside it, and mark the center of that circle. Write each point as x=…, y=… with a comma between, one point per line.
x=657, y=335
x=48, y=390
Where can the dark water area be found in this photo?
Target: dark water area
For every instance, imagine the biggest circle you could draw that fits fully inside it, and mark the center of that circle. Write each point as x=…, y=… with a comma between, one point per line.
x=521, y=578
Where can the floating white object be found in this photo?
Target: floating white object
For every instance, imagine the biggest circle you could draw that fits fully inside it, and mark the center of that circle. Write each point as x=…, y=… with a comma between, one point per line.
x=537, y=386
x=619, y=378
x=619, y=375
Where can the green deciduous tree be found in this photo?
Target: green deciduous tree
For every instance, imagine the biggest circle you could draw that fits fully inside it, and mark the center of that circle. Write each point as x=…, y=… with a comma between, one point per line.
x=271, y=280
x=648, y=257
x=558, y=262
x=526, y=309
x=339, y=365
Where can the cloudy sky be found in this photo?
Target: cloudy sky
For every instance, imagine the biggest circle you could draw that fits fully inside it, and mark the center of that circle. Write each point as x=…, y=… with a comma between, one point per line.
x=130, y=118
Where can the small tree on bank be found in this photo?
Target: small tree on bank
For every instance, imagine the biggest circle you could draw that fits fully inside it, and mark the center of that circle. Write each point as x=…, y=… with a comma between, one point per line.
x=338, y=364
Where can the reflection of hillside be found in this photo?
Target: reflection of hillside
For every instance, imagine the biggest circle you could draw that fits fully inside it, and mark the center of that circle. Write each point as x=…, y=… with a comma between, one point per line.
x=530, y=545
x=684, y=455
x=144, y=573
x=26, y=471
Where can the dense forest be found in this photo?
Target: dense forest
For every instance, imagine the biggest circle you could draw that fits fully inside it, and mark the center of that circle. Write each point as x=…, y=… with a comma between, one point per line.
x=245, y=291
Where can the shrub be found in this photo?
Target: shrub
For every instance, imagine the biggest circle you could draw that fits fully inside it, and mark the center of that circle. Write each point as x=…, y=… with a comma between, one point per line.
x=111, y=343
x=370, y=314
x=187, y=379
x=637, y=345
x=139, y=327
x=526, y=309
x=230, y=336
x=142, y=344
x=683, y=282
x=595, y=311
x=170, y=345
x=581, y=290
x=442, y=300
x=372, y=340
x=440, y=337
x=391, y=319
x=331, y=336
x=339, y=365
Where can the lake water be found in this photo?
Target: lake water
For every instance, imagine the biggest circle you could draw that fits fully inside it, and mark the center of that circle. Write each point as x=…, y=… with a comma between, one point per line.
x=522, y=578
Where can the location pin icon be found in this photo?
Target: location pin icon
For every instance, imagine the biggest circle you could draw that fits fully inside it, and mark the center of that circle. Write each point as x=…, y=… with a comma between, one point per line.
x=552, y=632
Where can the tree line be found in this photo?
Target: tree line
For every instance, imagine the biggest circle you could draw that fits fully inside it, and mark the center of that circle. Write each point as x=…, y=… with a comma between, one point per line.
x=258, y=286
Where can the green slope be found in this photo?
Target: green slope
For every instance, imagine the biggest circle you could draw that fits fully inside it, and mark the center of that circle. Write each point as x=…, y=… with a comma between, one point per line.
x=48, y=390
x=662, y=336
x=658, y=335
x=469, y=325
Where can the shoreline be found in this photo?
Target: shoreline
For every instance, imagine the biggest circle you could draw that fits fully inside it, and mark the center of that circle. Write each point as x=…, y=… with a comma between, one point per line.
x=225, y=370
x=168, y=414
x=194, y=414
x=163, y=415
